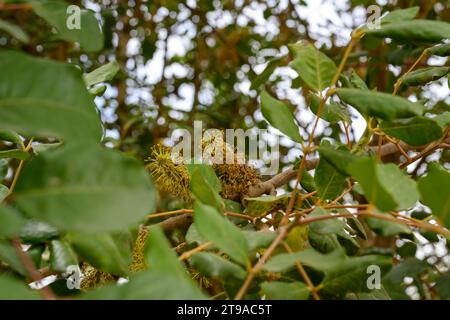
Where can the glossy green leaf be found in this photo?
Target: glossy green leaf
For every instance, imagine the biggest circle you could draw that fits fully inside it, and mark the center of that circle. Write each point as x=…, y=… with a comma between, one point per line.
x=102, y=74
x=385, y=185
x=214, y=227
x=313, y=66
x=85, y=188
x=380, y=105
x=426, y=31
x=278, y=115
x=434, y=189
x=31, y=89
x=15, y=31
x=213, y=266
x=62, y=255
x=89, y=34
x=423, y=76
x=277, y=290
x=415, y=132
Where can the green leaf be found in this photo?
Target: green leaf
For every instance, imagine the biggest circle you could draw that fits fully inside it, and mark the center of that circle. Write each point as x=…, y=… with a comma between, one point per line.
x=357, y=82
x=9, y=255
x=261, y=206
x=148, y=285
x=277, y=290
x=423, y=76
x=330, y=183
x=400, y=15
x=443, y=120
x=42, y=147
x=98, y=91
x=338, y=158
x=385, y=185
x=4, y=190
x=86, y=188
x=434, y=192
x=443, y=286
x=62, y=255
x=332, y=112
x=324, y=243
x=285, y=261
x=204, y=192
x=193, y=236
x=11, y=221
x=325, y=226
x=15, y=31
x=387, y=228
x=425, y=31
x=208, y=174
x=313, y=66
x=441, y=50
x=106, y=252
x=380, y=105
x=37, y=232
x=259, y=239
x=374, y=294
x=213, y=266
x=102, y=74
x=214, y=227
x=261, y=78
x=415, y=132
x=3, y=168
x=31, y=89
x=278, y=115
x=11, y=136
x=393, y=281
x=14, y=289
x=89, y=35
x=351, y=274
x=14, y=153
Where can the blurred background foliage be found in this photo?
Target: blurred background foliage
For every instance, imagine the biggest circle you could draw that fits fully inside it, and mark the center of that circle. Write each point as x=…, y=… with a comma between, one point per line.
x=205, y=60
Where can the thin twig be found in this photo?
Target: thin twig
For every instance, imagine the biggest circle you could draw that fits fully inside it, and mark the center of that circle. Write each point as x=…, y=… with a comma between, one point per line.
x=26, y=261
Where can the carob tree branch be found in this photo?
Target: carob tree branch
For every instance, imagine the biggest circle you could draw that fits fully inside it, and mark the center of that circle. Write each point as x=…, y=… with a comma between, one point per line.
x=267, y=187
